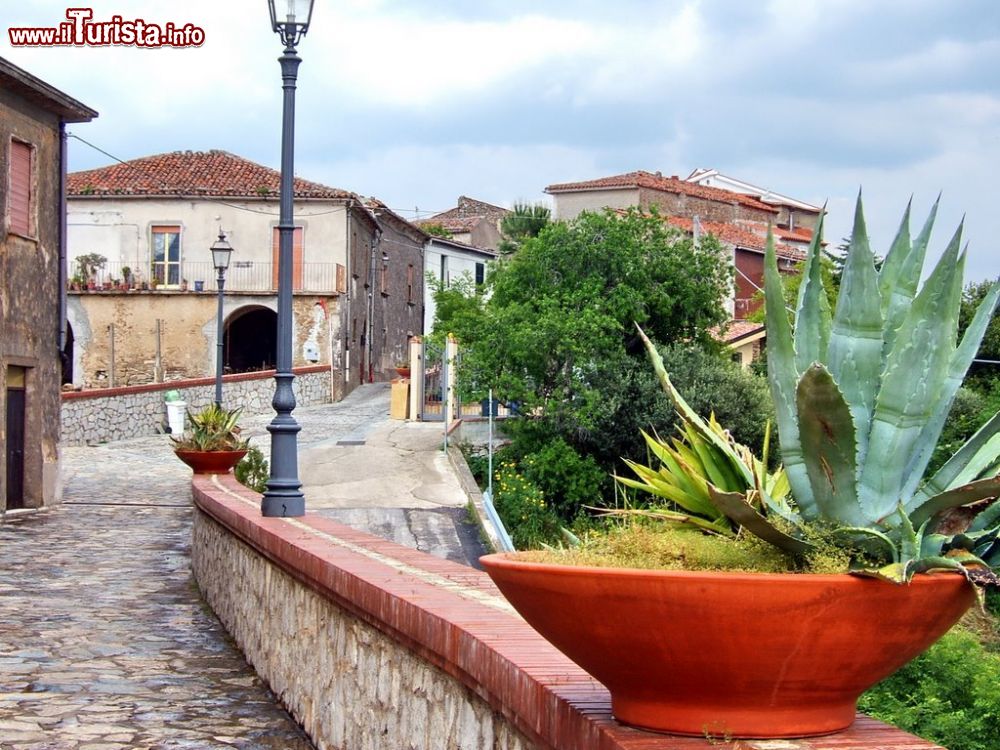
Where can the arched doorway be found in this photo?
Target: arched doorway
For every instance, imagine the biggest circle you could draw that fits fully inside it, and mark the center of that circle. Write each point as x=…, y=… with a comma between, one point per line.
x=250, y=340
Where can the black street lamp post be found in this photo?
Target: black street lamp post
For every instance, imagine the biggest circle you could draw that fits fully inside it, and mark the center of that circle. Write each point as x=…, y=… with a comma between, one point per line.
x=283, y=497
x=221, y=253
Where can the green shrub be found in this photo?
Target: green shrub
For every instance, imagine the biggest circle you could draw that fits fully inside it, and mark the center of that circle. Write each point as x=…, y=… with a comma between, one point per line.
x=949, y=695
x=567, y=480
x=252, y=471
x=521, y=505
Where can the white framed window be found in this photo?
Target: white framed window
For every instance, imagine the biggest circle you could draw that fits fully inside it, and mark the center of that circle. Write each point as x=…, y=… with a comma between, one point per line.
x=166, y=256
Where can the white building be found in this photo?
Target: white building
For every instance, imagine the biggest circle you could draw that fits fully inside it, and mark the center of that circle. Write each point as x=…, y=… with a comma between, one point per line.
x=447, y=261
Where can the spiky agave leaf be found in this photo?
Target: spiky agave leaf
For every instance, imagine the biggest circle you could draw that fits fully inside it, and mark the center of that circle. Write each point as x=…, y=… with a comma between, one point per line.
x=829, y=447
x=893, y=264
x=735, y=506
x=908, y=279
x=980, y=450
x=812, y=316
x=683, y=408
x=783, y=376
x=915, y=372
x=854, y=357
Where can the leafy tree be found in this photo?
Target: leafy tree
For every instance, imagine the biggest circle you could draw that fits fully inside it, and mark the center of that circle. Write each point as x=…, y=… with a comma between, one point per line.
x=983, y=376
x=557, y=334
x=524, y=221
x=457, y=307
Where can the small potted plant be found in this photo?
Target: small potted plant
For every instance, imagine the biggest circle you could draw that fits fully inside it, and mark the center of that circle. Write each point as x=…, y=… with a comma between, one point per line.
x=212, y=442
x=402, y=368
x=861, y=395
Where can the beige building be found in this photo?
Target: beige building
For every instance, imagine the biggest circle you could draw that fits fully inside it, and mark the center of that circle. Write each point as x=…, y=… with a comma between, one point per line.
x=33, y=116
x=142, y=301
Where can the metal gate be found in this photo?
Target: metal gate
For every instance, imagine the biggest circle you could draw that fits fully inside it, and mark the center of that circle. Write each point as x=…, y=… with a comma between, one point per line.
x=435, y=383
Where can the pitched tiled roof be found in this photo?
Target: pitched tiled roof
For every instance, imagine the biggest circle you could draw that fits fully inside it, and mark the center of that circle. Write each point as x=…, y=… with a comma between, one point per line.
x=657, y=181
x=799, y=234
x=735, y=330
x=465, y=216
x=745, y=234
x=192, y=173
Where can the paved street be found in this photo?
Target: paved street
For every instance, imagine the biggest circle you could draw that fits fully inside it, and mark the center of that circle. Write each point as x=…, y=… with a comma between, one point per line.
x=104, y=641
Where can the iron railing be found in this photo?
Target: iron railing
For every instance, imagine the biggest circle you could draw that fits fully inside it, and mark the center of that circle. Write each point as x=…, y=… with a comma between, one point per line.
x=242, y=276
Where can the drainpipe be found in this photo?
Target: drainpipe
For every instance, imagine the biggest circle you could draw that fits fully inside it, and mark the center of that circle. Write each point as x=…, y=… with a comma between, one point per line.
x=61, y=330
x=345, y=319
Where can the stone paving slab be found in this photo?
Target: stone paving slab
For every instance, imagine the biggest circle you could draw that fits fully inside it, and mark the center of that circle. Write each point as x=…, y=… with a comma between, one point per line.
x=105, y=643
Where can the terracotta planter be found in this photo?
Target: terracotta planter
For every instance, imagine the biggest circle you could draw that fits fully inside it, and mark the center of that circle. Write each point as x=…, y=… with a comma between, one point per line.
x=740, y=655
x=403, y=372
x=210, y=462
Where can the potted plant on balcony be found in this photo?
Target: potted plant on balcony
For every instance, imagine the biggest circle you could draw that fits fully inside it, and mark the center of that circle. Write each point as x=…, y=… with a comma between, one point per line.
x=861, y=396
x=88, y=265
x=212, y=442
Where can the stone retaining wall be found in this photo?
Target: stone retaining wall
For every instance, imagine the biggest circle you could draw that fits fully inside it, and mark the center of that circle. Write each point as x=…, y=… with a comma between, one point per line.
x=99, y=416
x=374, y=646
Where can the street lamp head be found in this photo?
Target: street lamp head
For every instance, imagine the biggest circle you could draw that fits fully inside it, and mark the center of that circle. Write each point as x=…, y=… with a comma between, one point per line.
x=290, y=19
x=221, y=252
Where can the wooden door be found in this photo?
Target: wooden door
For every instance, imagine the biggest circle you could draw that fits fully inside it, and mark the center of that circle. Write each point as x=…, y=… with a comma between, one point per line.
x=15, y=448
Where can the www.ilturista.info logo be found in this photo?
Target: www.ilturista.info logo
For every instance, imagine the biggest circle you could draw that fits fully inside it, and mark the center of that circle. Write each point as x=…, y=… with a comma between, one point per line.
x=81, y=31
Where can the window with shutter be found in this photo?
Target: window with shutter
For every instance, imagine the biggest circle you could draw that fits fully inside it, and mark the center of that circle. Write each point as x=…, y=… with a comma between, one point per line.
x=20, y=208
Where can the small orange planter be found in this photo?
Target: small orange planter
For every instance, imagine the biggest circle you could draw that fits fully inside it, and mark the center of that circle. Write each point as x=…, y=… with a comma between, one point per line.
x=210, y=462
x=740, y=654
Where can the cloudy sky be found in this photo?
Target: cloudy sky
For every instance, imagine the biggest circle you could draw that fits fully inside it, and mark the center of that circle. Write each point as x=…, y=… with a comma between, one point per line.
x=420, y=101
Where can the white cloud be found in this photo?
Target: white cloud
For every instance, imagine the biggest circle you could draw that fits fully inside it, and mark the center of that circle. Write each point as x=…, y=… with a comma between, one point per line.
x=412, y=61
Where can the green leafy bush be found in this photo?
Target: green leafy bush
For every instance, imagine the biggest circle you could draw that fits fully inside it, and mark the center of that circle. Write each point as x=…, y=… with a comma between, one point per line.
x=521, y=505
x=950, y=695
x=567, y=480
x=252, y=471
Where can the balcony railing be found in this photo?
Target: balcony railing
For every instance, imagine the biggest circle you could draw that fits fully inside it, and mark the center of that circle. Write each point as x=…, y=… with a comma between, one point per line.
x=242, y=276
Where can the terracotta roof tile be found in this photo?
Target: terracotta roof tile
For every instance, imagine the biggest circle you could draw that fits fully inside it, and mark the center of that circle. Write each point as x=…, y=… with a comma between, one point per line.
x=735, y=330
x=666, y=184
x=799, y=234
x=192, y=173
x=748, y=235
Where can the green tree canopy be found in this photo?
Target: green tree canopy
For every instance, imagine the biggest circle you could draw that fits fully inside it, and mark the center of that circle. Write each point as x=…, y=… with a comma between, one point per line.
x=558, y=332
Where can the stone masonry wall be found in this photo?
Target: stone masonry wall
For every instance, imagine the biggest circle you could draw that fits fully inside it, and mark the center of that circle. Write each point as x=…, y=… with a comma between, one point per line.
x=375, y=646
x=92, y=417
x=350, y=686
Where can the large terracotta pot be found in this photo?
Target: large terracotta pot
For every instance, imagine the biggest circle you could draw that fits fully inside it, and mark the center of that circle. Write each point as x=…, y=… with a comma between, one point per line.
x=732, y=654
x=210, y=462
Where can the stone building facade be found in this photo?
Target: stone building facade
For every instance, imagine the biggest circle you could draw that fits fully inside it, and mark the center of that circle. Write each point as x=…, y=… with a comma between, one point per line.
x=147, y=311
x=33, y=115
x=671, y=195
x=471, y=222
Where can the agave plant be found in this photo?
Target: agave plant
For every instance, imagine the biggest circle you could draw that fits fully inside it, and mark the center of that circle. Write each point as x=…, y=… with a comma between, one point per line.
x=212, y=429
x=861, y=395
x=691, y=467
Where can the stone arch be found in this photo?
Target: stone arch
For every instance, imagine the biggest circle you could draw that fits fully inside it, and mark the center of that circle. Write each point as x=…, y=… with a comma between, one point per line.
x=250, y=339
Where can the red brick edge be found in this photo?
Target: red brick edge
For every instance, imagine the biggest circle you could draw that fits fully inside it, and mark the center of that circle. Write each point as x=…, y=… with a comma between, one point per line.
x=494, y=654
x=187, y=383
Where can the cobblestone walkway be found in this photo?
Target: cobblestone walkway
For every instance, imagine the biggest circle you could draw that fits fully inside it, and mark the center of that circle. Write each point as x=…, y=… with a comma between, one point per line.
x=104, y=641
